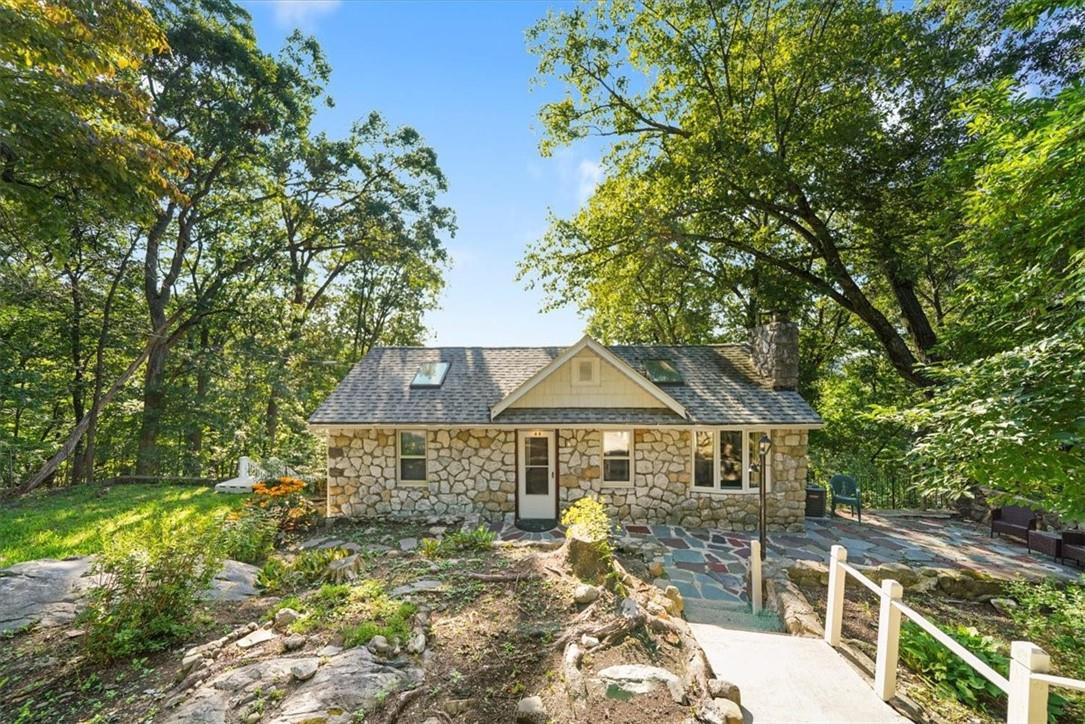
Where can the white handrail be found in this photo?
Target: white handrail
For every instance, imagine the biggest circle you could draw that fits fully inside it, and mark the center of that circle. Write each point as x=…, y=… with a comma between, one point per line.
x=1029, y=680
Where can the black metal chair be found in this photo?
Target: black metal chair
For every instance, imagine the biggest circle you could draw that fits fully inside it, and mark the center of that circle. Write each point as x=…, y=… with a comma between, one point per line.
x=846, y=490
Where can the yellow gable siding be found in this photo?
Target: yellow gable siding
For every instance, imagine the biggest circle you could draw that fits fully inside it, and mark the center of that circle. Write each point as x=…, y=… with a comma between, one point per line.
x=615, y=389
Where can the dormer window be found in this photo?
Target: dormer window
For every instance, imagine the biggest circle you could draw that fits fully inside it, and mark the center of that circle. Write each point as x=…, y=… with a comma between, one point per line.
x=586, y=371
x=662, y=372
x=430, y=374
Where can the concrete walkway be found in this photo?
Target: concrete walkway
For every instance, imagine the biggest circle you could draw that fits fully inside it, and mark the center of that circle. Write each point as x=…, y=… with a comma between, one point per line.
x=789, y=679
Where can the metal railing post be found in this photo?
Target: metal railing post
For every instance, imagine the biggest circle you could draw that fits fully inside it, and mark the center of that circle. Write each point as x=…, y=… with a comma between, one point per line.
x=834, y=607
x=1027, y=696
x=885, y=668
x=755, y=575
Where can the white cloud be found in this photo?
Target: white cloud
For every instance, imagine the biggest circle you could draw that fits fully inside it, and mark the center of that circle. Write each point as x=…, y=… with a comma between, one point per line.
x=588, y=175
x=303, y=14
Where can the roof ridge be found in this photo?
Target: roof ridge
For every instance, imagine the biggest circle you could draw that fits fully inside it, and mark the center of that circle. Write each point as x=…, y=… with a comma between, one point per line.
x=556, y=346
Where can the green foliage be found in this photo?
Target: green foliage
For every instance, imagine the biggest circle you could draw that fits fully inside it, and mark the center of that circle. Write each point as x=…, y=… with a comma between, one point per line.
x=587, y=518
x=1052, y=615
x=80, y=520
x=249, y=535
x=285, y=574
x=385, y=616
x=458, y=543
x=949, y=673
x=150, y=582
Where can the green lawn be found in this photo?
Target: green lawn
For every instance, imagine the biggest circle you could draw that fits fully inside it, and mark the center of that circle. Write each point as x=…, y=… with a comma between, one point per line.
x=73, y=522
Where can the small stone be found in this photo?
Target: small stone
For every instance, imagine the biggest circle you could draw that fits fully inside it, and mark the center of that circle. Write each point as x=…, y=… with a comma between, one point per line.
x=585, y=593
x=531, y=711
x=328, y=651
x=74, y=633
x=293, y=642
x=253, y=717
x=304, y=670
x=655, y=609
x=380, y=646
x=723, y=689
x=589, y=642
x=1003, y=605
x=629, y=608
x=408, y=544
x=437, y=531
x=191, y=661
x=417, y=643
x=285, y=616
x=255, y=638
x=729, y=711
x=655, y=569
x=677, y=605
x=456, y=707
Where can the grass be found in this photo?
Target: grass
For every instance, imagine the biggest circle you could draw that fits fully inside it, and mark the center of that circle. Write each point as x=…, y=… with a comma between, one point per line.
x=75, y=521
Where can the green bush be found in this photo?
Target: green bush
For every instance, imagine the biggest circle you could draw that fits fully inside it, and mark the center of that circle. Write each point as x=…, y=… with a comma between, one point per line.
x=587, y=518
x=249, y=535
x=458, y=542
x=948, y=672
x=385, y=616
x=282, y=575
x=150, y=581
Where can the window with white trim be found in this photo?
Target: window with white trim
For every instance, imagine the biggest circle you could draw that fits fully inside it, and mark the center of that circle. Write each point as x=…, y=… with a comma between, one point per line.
x=618, y=457
x=412, y=456
x=728, y=461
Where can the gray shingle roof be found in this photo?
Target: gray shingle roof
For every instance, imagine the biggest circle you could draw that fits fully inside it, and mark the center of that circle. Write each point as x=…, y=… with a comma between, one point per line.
x=721, y=388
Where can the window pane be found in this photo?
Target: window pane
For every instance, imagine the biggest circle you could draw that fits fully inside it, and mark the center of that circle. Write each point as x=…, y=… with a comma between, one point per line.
x=616, y=470
x=430, y=374
x=703, y=461
x=616, y=444
x=537, y=481
x=730, y=459
x=662, y=371
x=412, y=444
x=755, y=459
x=412, y=469
x=537, y=451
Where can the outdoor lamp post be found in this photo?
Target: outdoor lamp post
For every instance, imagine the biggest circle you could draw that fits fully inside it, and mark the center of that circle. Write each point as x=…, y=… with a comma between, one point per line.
x=763, y=447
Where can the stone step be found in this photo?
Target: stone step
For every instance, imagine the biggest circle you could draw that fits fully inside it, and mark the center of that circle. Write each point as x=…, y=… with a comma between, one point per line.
x=738, y=619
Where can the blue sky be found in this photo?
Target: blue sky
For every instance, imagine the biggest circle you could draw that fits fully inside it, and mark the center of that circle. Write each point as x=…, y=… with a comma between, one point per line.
x=460, y=73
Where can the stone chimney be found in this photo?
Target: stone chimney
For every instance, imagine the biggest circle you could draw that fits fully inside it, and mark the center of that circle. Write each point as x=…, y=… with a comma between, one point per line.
x=774, y=350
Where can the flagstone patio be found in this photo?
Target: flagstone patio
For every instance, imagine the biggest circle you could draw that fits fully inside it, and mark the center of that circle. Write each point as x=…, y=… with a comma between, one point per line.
x=710, y=567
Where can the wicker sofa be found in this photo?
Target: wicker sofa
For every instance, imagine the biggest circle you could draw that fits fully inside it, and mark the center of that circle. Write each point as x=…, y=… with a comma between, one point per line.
x=1013, y=520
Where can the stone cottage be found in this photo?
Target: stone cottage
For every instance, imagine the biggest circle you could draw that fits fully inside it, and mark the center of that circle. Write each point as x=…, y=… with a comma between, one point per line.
x=660, y=434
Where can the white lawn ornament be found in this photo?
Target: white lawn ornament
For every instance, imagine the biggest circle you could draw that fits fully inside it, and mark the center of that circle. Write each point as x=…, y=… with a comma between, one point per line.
x=242, y=483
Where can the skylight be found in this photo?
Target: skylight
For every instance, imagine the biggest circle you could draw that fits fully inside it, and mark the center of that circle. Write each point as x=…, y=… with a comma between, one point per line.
x=430, y=374
x=662, y=372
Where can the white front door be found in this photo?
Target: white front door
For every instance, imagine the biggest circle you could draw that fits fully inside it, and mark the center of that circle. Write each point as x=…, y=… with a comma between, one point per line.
x=537, y=487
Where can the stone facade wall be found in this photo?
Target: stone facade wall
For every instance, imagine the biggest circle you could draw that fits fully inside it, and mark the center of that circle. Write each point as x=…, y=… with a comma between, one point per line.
x=475, y=471
x=469, y=470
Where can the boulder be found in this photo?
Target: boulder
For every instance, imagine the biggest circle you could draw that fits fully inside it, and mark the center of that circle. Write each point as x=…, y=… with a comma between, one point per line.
x=379, y=645
x=257, y=637
x=417, y=643
x=655, y=569
x=641, y=679
x=293, y=642
x=531, y=710
x=1004, y=606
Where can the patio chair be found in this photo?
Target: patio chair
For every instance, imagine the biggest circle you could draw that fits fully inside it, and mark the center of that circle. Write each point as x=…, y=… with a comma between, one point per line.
x=1073, y=546
x=1013, y=520
x=846, y=491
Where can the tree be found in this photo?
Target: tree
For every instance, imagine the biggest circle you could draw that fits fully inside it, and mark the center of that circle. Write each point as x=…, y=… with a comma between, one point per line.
x=808, y=140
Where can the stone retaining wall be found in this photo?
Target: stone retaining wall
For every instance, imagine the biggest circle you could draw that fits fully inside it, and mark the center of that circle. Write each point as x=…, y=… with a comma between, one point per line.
x=474, y=470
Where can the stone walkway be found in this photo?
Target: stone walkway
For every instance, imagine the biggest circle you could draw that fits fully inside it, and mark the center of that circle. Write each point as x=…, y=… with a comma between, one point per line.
x=710, y=567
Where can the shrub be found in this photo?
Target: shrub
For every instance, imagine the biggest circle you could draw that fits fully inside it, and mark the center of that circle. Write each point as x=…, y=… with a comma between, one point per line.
x=303, y=570
x=587, y=520
x=945, y=670
x=150, y=582
x=458, y=542
x=248, y=535
x=284, y=499
x=385, y=616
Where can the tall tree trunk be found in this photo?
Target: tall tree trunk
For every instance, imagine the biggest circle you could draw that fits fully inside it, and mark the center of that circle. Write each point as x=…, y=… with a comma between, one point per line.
x=194, y=439
x=77, y=472
x=154, y=398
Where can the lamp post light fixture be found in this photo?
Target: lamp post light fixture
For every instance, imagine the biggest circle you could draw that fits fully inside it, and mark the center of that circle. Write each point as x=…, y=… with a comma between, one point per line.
x=763, y=446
